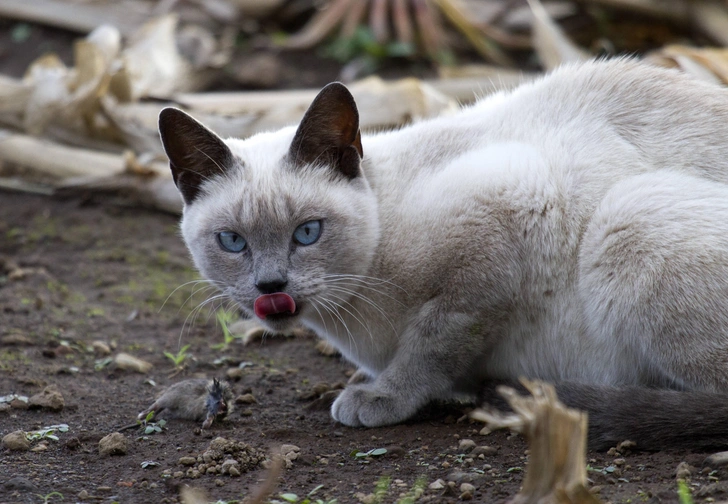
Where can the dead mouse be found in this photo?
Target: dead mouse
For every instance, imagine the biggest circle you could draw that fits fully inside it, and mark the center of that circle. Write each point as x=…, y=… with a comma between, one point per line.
x=194, y=399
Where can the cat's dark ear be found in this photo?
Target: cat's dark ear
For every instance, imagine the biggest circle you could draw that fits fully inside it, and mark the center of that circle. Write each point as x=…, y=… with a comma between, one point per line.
x=329, y=132
x=195, y=153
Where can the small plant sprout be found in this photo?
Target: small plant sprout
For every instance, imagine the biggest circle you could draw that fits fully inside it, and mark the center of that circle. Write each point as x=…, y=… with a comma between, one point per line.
x=100, y=364
x=46, y=432
x=12, y=397
x=381, y=488
x=415, y=492
x=154, y=427
x=149, y=463
x=179, y=358
x=295, y=499
x=47, y=497
x=376, y=452
x=150, y=427
x=683, y=493
x=224, y=318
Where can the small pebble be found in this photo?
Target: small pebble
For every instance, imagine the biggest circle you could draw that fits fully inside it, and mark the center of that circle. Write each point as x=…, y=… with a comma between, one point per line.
x=113, y=444
x=16, y=441
x=719, y=459
x=467, y=491
x=50, y=398
x=234, y=374
x=683, y=471
x=100, y=348
x=466, y=445
x=245, y=399
x=484, y=450
x=438, y=484
x=40, y=447
x=187, y=461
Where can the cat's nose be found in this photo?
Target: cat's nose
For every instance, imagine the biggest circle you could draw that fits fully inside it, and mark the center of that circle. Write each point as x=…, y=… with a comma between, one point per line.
x=271, y=285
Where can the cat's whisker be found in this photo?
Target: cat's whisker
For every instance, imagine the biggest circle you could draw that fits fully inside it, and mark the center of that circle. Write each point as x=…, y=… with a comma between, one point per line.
x=331, y=306
x=323, y=320
x=191, y=282
x=196, y=311
x=348, y=284
x=365, y=278
x=195, y=292
x=365, y=283
x=362, y=297
x=363, y=324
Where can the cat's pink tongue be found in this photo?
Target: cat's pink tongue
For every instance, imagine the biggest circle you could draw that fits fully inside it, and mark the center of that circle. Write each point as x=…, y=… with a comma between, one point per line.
x=270, y=304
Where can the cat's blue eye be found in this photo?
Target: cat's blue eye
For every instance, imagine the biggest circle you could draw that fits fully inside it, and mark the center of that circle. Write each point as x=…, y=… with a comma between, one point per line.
x=231, y=242
x=307, y=233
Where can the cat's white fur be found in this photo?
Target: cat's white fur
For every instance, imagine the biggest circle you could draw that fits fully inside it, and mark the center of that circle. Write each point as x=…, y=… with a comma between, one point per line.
x=575, y=228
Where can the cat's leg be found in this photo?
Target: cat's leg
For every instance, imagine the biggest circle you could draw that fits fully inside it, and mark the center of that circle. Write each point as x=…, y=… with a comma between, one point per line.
x=654, y=281
x=435, y=351
x=360, y=376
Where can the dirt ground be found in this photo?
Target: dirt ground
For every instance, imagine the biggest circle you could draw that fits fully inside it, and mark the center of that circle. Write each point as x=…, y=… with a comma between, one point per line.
x=81, y=282
x=74, y=273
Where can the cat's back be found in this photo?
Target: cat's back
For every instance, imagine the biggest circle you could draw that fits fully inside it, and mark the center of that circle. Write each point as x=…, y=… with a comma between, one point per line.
x=601, y=119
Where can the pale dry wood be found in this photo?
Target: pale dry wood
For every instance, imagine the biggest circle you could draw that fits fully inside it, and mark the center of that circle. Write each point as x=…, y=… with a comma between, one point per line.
x=550, y=42
x=381, y=103
x=556, y=436
x=82, y=17
x=56, y=160
x=257, y=8
x=467, y=83
x=128, y=189
x=458, y=15
x=70, y=170
x=712, y=19
x=126, y=361
x=678, y=11
x=709, y=63
x=709, y=16
x=19, y=185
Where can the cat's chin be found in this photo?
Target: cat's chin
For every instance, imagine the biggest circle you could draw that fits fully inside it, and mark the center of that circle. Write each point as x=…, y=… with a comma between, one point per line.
x=280, y=322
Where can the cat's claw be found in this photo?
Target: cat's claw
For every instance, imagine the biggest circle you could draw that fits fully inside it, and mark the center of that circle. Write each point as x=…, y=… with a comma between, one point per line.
x=365, y=406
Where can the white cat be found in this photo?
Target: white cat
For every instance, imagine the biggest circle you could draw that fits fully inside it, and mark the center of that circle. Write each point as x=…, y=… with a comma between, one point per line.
x=574, y=230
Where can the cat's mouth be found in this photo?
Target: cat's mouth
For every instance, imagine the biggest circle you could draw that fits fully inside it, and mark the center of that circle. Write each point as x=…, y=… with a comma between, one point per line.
x=274, y=306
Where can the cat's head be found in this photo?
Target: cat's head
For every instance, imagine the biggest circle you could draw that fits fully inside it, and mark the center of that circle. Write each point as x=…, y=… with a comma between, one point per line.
x=273, y=219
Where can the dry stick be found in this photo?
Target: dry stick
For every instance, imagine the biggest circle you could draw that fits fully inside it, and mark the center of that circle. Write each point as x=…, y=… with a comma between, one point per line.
x=381, y=103
x=712, y=19
x=552, y=46
x=353, y=19
x=708, y=15
x=269, y=484
x=556, y=436
x=378, y=21
x=127, y=16
x=57, y=160
x=321, y=25
x=402, y=22
x=674, y=10
x=455, y=12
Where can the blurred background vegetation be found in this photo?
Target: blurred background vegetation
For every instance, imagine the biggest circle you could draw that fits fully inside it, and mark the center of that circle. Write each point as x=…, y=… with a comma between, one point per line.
x=83, y=80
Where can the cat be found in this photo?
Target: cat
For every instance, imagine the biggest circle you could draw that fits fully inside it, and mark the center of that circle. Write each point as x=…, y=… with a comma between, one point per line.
x=574, y=229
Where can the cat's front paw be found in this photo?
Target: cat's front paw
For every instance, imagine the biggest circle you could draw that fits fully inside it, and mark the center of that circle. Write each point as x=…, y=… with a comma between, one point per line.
x=365, y=405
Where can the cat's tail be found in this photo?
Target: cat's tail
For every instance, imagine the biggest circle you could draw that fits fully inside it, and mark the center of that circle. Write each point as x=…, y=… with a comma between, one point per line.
x=655, y=419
